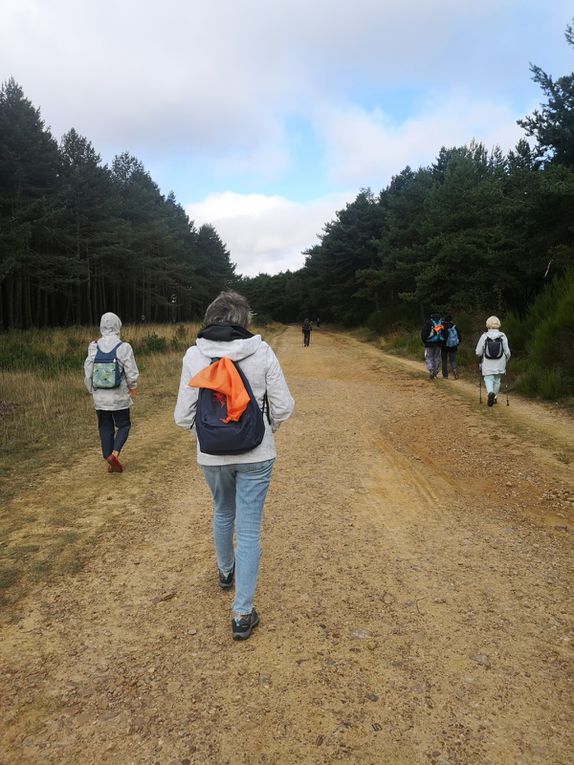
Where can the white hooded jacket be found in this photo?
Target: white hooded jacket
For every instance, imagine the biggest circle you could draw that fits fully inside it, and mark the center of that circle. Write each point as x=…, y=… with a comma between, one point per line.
x=493, y=366
x=112, y=399
x=261, y=367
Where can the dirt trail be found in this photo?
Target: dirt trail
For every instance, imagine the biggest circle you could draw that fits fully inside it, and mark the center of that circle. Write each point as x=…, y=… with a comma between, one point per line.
x=415, y=591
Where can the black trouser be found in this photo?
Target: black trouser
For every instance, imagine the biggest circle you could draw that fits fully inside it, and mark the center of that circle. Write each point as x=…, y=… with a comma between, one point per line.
x=306, y=337
x=448, y=354
x=114, y=428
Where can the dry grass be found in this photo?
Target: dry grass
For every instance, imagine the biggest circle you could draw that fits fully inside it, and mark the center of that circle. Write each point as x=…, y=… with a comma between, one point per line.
x=49, y=520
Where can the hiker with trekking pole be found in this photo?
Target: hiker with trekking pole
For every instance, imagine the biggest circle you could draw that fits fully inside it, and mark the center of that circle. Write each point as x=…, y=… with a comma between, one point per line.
x=494, y=352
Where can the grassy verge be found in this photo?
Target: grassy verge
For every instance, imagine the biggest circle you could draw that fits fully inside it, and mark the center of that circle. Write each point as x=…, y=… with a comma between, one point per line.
x=53, y=519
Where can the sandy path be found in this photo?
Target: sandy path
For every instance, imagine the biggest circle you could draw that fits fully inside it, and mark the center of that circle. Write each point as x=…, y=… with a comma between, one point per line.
x=415, y=592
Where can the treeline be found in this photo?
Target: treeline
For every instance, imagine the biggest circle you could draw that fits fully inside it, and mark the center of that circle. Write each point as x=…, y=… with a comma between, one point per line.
x=78, y=238
x=475, y=231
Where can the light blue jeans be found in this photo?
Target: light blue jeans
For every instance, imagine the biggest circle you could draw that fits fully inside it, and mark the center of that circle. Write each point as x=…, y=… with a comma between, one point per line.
x=239, y=493
x=492, y=383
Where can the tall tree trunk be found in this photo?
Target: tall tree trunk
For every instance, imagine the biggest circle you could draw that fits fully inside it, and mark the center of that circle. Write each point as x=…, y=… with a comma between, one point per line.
x=18, y=301
x=27, y=302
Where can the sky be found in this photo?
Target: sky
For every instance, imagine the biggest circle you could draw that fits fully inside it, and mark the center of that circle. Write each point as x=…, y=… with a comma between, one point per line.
x=265, y=118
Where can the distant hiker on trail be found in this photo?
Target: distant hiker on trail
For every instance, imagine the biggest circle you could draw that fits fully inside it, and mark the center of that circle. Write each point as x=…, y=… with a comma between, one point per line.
x=494, y=352
x=452, y=339
x=110, y=375
x=228, y=378
x=318, y=322
x=306, y=330
x=432, y=335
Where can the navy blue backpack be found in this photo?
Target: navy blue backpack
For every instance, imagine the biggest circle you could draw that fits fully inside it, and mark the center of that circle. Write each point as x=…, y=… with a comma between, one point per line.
x=217, y=437
x=107, y=372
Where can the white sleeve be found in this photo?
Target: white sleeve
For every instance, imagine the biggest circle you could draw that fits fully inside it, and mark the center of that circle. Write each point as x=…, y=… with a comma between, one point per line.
x=184, y=414
x=505, y=346
x=125, y=354
x=480, y=345
x=281, y=402
x=89, y=366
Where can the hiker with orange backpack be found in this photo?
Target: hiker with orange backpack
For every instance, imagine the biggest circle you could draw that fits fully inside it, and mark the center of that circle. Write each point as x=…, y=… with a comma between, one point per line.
x=432, y=336
x=233, y=396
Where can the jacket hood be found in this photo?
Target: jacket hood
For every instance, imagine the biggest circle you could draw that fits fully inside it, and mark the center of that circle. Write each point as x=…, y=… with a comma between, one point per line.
x=224, y=332
x=234, y=349
x=110, y=324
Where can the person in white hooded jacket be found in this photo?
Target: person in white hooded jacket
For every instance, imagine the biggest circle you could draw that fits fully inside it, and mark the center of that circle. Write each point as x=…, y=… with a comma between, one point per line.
x=238, y=482
x=112, y=404
x=494, y=352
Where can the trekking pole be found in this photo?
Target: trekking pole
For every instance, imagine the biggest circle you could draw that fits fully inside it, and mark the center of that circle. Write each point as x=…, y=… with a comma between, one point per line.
x=506, y=389
x=479, y=386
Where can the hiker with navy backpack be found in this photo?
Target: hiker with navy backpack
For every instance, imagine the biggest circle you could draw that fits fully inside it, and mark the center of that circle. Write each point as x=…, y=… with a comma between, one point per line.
x=233, y=397
x=432, y=335
x=452, y=339
x=494, y=352
x=111, y=375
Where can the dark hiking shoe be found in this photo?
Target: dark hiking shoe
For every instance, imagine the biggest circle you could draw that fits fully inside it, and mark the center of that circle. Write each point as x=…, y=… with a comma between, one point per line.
x=241, y=626
x=226, y=580
x=490, y=399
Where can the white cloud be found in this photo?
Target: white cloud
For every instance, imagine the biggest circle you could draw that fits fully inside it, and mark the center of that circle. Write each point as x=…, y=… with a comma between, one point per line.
x=218, y=77
x=214, y=87
x=367, y=147
x=266, y=233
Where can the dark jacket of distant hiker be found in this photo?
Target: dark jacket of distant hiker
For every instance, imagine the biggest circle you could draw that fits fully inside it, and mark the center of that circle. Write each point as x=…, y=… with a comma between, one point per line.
x=426, y=330
x=447, y=326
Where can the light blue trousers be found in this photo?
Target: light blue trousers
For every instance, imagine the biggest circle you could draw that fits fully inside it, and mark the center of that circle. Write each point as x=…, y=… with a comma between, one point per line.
x=239, y=493
x=492, y=383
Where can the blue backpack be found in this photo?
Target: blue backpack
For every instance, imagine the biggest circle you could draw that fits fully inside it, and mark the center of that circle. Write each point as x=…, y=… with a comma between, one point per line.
x=452, y=337
x=436, y=334
x=217, y=437
x=107, y=372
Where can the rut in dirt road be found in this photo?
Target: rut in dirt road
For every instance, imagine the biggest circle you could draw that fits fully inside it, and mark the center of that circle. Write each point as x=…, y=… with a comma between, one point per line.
x=415, y=594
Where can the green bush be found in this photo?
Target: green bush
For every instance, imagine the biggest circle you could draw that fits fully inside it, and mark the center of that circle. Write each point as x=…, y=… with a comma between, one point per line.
x=154, y=343
x=394, y=317
x=261, y=319
x=406, y=344
x=543, y=340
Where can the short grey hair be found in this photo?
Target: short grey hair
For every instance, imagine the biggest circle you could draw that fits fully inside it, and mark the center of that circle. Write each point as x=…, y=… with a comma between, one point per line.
x=228, y=308
x=493, y=322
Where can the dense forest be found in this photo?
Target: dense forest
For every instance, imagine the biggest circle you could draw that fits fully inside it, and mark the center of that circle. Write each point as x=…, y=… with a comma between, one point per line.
x=78, y=238
x=477, y=230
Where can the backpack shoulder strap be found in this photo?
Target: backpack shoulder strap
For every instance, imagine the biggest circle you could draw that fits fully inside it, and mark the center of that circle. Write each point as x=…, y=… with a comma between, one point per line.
x=265, y=406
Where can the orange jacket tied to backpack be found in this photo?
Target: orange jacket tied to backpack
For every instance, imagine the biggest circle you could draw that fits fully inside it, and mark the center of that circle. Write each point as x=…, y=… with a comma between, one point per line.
x=223, y=378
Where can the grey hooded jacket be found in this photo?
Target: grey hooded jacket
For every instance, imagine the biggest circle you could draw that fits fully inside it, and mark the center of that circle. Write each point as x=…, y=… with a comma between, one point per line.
x=112, y=399
x=261, y=368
